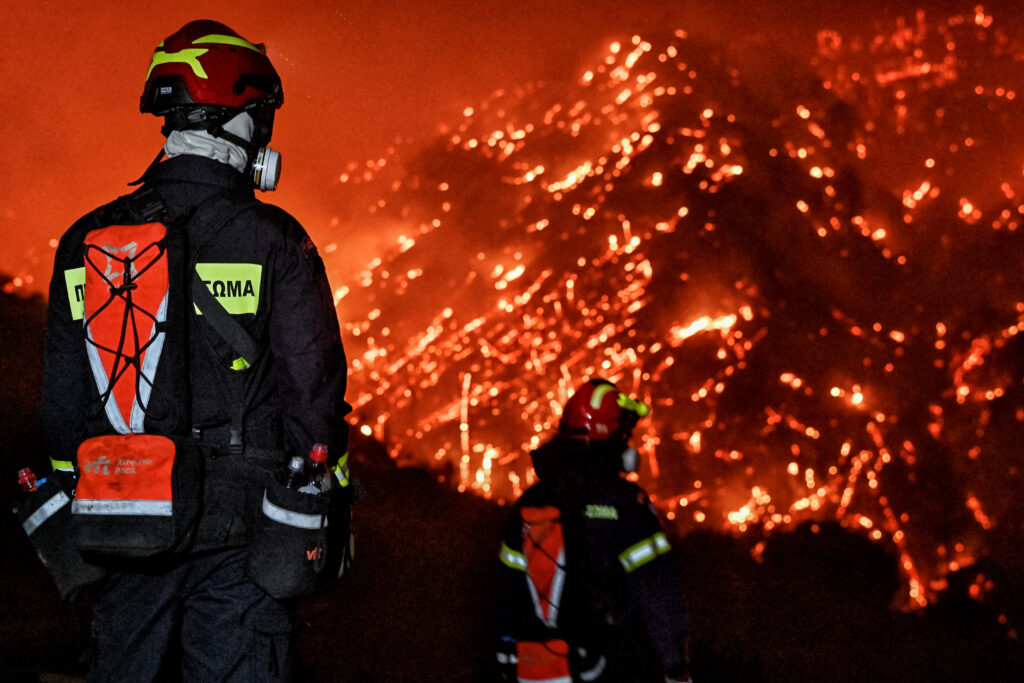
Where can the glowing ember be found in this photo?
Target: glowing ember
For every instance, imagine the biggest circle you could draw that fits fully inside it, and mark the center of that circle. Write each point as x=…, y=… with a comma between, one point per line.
x=816, y=287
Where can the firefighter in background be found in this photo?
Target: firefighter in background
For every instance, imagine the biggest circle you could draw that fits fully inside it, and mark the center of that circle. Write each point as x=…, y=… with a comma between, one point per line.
x=217, y=93
x=589, y=591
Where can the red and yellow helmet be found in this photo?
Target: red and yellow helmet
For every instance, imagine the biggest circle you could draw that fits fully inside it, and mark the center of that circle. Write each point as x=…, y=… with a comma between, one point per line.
x=599, y=411
x=205, y=63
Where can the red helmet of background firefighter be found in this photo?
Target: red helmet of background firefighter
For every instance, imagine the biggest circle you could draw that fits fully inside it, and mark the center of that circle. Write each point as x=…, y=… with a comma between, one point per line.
x=593, y=438
x=601, y=414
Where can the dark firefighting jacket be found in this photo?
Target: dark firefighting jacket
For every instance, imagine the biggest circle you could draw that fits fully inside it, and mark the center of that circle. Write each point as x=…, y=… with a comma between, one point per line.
x=609, y=588
x=265, y=270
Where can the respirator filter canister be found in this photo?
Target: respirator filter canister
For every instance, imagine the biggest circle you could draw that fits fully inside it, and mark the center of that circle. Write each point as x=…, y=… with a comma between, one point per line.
x=266, y=169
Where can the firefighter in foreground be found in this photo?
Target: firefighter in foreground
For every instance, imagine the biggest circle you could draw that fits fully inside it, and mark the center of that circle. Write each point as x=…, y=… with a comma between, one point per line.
x=246, y=406
x=589, y=590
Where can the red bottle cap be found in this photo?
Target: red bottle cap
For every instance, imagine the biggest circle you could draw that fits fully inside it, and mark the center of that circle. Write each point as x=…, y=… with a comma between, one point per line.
x=27, y=479
x=319, y=453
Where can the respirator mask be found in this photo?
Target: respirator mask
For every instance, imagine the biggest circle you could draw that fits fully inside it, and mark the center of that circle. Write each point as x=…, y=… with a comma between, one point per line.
x=264, y=165
x=630, y=460
x=264, y=168
x=249, y=134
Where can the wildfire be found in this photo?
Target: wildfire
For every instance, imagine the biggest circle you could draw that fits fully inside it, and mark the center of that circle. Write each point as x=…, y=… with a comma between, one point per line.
x=798, y=284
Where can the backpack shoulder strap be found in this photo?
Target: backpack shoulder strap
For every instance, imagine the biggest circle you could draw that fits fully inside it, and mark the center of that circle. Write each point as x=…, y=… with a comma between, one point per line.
x=210, y=216
x=144, y=205
x=147, y=204
x=228, y=328
x=203, y=225
x=207, y=220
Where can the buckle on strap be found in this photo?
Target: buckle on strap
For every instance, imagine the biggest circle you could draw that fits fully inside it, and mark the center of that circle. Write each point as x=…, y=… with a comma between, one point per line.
x=236, y=444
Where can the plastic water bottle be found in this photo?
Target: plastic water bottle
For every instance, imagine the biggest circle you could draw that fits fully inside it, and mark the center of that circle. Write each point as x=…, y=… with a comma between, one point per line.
x=318, y=477
x=27, y=480
x=293, y=475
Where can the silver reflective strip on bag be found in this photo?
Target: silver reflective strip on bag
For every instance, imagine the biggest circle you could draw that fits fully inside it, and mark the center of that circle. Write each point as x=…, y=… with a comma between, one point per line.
x=153, y=508
x=554, y=597
x=299, y=520
x=99, y=374
x=154, y=348
x=45, y=511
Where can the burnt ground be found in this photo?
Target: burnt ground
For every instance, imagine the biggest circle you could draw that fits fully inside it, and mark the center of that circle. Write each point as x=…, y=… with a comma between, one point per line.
x=418, y=603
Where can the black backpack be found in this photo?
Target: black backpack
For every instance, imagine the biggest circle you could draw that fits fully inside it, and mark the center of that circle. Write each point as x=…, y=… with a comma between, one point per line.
x=139, y=491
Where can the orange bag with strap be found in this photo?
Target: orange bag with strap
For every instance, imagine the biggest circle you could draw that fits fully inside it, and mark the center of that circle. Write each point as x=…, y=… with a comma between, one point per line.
x=138, y=495
x=139, y=489
x=546, y=662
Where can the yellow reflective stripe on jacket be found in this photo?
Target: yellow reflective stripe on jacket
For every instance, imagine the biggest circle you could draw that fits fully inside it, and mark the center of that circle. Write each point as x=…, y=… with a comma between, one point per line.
x=643, y=552
x=340, y=469
x=74, y=280
x=239, y=364
x=62, y=465
x=512, y=559
x=235, y=285
x=228, y=40
x=189, y=55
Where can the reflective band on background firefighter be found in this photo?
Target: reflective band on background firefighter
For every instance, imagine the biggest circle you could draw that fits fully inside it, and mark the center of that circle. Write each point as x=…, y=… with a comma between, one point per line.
x=252, y=375
x=590, y=590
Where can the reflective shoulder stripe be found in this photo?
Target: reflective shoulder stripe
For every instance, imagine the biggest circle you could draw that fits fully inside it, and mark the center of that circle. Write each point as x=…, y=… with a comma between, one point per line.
x=45, y=511
x=299, y=520
x=661, y=543
x=340, y=469
x=643, y=552
x=62, y=465
x=512, y=559
x=153, y=508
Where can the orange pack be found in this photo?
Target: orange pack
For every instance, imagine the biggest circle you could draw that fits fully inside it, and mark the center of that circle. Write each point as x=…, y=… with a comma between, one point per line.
x=127, y=285
x=544, y=549
x=140, y=474
x=546, y=662
x=137, y=495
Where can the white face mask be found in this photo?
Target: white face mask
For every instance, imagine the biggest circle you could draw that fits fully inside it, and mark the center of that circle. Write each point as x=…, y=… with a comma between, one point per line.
x=630, y=460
